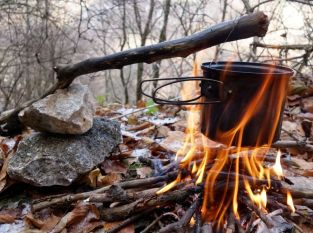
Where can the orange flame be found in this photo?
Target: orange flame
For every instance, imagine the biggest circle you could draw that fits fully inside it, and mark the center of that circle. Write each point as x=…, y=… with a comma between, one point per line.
x=223, y=172
x=290, y=202
x=277, y=168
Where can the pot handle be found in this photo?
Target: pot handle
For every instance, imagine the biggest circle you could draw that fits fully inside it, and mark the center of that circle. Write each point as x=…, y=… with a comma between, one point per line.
x=207, y=90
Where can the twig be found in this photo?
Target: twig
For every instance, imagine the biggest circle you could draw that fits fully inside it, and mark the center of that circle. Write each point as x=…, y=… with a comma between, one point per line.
x=157, y=220
x=268, y=222
x=125, y=185
x=124, y=198
x=305, y=146
x=184, y=221
x=121, y=212
x=129, y=221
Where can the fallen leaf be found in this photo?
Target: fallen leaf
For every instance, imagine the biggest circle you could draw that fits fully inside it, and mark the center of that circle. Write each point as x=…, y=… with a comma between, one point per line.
x=75, y=216
x=176, y=140
x=91, y=178
x=3, y=172
x=31, y=221
x=142, y=126
x=7, y=218
x=113, y=166
x=143, y=172
x=50, y=223
x=108, y=179
x=110, y=225
x=162, y=131
x=88, y=223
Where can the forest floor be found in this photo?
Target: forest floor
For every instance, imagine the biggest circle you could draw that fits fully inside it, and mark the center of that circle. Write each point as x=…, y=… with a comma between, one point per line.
x=134, y=172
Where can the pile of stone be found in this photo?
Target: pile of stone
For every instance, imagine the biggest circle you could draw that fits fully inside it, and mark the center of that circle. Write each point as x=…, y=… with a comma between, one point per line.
x=70, y=141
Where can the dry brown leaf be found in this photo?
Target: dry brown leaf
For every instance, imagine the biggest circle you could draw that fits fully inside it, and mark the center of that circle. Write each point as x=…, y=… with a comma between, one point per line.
x=142, y=126
x=113, y=166
x=176, y=139
x=109, y=225
x=50, y=223
x=143, y=172
x=88, y=223
x=108, y=179
x=163, y=131
x=31, y=221
x=7, y=218
x=76, y=215
x=91, y=178
x=3, y=172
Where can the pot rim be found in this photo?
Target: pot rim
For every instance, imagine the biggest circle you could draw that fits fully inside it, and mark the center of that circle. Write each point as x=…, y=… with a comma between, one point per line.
x=258, y=68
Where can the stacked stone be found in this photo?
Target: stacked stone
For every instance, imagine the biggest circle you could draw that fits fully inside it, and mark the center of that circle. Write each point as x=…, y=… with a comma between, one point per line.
x=70, y=141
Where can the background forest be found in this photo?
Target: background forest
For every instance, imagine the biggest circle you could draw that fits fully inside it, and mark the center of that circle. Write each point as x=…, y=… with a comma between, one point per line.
x=37, y=35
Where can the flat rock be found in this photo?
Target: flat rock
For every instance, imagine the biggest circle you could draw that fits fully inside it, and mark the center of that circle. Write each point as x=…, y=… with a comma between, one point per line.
x=46, y=160
x=67, y=111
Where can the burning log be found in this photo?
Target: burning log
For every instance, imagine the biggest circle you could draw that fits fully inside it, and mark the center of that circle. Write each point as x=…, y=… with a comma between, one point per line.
x=250, y=25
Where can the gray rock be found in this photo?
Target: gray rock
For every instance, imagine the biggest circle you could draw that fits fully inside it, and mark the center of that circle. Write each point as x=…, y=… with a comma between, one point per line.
x=46, y=160
x=67, y=111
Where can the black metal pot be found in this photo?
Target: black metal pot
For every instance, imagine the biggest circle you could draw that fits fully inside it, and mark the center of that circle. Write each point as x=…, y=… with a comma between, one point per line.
x=228, y=91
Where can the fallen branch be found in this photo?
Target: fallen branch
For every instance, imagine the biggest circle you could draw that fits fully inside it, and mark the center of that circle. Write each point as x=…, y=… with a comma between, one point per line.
x=255, y=24
x=125, y=185
x=123, y=211
x=301, y=145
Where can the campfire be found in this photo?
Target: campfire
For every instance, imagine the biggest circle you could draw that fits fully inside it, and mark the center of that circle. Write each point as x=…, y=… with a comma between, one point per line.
x=234, y=181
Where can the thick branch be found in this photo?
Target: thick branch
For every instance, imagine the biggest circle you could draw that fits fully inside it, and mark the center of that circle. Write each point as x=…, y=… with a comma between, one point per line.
x=255, y=24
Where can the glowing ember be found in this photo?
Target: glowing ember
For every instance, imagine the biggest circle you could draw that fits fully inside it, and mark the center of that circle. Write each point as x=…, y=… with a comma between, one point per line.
x=227, y=174
x=290, y=202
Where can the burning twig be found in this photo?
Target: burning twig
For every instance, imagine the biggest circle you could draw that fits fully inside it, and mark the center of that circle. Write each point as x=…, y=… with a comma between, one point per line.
x=269, y=223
